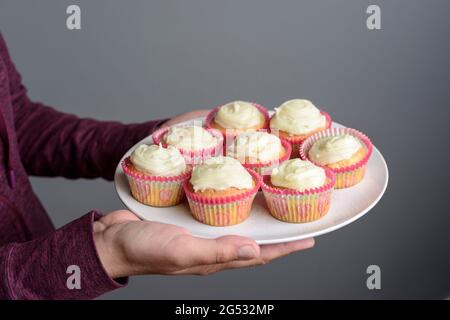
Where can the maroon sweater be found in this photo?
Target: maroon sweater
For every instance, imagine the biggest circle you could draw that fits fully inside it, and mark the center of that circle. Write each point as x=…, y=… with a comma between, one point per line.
x=38, y=140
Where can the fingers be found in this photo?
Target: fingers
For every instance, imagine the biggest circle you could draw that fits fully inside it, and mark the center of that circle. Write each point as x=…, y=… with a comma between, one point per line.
x=267, y=254
x=118, y=216
x=185, y=117
x=197, y=251
x=274, y=251
x=201, y=112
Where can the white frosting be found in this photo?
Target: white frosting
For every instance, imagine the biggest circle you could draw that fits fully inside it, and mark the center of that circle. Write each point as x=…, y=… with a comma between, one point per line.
x=158, y=161
x=239, y=115
x=333, y=149
x=297, y=117
x=256, y=146
x=190, y=138
x=298, y=174
x=220, y=173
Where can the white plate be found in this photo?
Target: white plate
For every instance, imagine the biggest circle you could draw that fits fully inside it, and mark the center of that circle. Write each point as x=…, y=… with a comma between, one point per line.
x=347, y=205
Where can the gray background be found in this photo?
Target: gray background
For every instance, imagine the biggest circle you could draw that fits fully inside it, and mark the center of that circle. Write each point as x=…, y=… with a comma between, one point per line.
x=137, y=60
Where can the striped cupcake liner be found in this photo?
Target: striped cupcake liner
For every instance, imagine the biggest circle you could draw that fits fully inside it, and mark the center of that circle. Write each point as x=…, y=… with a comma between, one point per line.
x=296, y=141
x=299, y=207
x=221, y=214
x=347, y=176
x=193, y=157
x=222, y=211
x=153, y=190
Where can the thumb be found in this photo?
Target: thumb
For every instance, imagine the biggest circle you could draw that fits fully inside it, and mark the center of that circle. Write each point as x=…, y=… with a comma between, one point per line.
x=118, y=216
x=200, y=251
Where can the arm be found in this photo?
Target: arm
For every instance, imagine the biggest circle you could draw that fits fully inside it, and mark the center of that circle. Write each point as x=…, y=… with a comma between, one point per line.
x=119, y=245
x=37, y=269
x=52, y=143
x=67, y=146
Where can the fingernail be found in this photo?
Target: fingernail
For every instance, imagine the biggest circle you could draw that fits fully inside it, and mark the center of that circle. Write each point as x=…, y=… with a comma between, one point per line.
x=312, y=242
x=309, y=243
x=247, y=252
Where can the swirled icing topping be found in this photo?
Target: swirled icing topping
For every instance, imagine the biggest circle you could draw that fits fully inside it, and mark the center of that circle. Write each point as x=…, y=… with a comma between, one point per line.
x=239, y=115
x=190, y=138
x=158, y=161
x=333, y=149
x=220, y=173
x=297, y=117
x=298, y=174
x=255, y=147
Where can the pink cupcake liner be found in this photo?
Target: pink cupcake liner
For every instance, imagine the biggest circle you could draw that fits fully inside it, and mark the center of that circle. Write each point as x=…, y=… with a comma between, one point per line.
x=265, y=168
x=296, y=141
x=155, y=191
x=346, y=176
x=224, y=210
x=193, y=156
x=295, y=206
x=229, y=136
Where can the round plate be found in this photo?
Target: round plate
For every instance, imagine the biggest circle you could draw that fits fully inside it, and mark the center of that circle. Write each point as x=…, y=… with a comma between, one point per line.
x=347, y=205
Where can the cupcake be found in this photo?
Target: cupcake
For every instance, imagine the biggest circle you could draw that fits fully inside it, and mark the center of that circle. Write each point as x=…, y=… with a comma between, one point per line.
x=297, y=119
x=220, y=191
x=298, y=191
x=155, y=175
x=237, y=117
x=194, y=142
x=346, y=151
x=260, y=151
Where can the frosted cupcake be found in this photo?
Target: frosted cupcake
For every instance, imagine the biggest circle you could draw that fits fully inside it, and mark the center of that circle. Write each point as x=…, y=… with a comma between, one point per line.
x=194, y=142
x=260, y=151
x=346, y=151
x=237, y=117
x=155, y=175
x=297, y=119
x=220, y=191
x=298, y=191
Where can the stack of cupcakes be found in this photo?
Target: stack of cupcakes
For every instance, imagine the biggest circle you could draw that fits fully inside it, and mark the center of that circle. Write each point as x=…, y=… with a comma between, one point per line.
x=295, y=157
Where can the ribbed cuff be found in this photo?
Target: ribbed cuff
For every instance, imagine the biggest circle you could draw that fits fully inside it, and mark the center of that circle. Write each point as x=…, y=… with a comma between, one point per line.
x=44, y=268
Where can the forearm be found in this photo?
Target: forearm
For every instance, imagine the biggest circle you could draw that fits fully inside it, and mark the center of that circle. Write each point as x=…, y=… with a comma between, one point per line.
x=53, y=143
x=38, y=269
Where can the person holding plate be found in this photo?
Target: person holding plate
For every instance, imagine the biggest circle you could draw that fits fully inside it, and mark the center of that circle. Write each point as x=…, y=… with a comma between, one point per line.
x=107, y=248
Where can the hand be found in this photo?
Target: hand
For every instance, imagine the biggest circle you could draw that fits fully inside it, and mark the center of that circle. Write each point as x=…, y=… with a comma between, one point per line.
x=128, y=246
x=185, y=117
